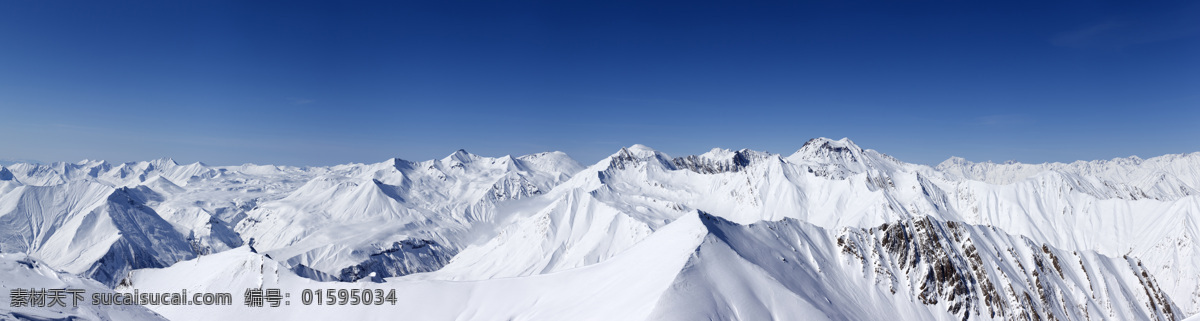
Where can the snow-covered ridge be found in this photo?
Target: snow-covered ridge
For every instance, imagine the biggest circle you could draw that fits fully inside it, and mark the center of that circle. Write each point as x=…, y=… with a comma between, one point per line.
x=50, y=210
x=952, y=271
x=88, y=228
x=1163, y=177
x=703, y=266
x=831, y=225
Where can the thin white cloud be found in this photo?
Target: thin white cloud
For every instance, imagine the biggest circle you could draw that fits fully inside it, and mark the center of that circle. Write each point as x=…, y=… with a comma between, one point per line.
x=1004, y=120
x=1087, y=35
x=301, y=101
x=1115, y=34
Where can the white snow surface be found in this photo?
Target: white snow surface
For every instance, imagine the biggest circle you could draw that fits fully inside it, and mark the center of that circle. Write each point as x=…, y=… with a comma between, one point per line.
x=19, y=271
x=832, y=231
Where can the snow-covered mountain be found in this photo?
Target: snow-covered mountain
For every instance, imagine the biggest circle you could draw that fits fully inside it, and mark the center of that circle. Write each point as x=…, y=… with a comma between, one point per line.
x=88, y=228
x=832, y=231
x=396, y=217
x=93, y=217
x=19, y=271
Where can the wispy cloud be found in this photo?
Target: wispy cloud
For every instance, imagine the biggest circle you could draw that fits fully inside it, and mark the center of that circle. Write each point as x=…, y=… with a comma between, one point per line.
x=1114, y=34
x=301, y=101
x=1087, y=35
x=1003, y=120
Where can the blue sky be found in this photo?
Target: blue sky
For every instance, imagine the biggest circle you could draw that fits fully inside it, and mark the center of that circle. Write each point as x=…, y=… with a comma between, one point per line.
x=320, y=83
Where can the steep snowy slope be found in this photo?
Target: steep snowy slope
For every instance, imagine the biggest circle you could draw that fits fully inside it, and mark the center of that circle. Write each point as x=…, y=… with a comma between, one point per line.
x=1046, y=208
x=834, y=185
x=636, y=190
x=705, y=267
x=625, y=287
x=576, y=230
x=911, y=270
x=88, y=228
x=602, y=211
x=18, y=271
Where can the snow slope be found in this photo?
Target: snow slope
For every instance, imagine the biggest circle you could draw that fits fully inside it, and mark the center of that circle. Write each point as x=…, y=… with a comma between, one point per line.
x=340, y=222
x=833, y=185
x=623, y=288
x=911, y=270
x=702, y=266
x=820, y=233
x=19, y=271
x=88, y=228
x=364, y=219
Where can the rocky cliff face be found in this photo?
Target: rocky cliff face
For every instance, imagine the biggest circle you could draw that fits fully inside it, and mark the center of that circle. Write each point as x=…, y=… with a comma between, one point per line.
x=981, y=271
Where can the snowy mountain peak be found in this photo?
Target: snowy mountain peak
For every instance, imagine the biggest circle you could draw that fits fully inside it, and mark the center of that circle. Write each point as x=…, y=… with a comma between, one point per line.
x=557, y=162
x=460, y=157
x=164, y=162
x=719, y=160
x=841, y=158
x=399, y=163
x=823, y=146
x=953, y=161
x=640, y=148
x=634, y=152
x=548, y=158
x=90, y=162
x=542, y=155
x=718, y=153
x=637, y=153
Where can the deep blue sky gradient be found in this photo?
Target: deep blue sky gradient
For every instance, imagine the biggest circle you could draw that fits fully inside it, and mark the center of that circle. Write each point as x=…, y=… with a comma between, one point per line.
x=320, y=83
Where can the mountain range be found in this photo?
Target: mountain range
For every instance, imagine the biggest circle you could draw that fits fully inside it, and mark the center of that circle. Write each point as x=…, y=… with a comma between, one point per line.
x=830, y=232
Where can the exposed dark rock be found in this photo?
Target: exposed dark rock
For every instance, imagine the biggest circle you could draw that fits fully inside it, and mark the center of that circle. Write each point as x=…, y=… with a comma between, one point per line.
x=402, y=258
